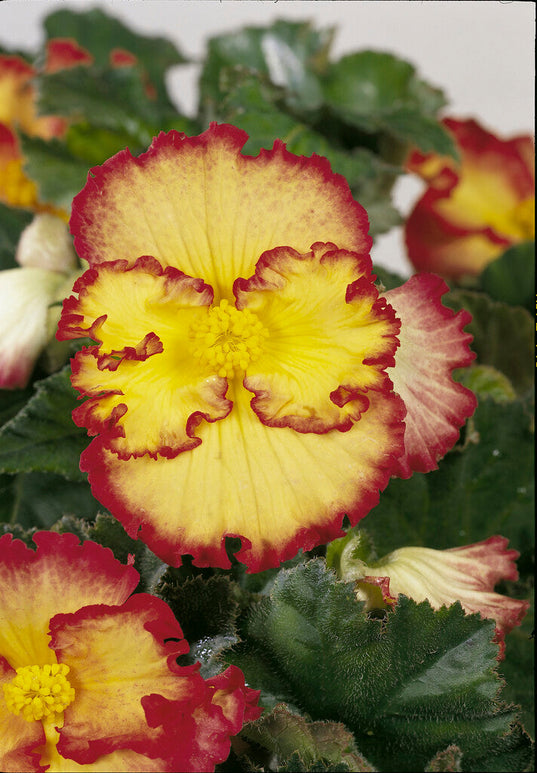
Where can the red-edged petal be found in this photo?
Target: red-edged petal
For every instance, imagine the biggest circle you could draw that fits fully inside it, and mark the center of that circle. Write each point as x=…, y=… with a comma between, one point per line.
x=329, y=337
x=202, y=739
x=473, y=210
x=118, y=656
x=277, y=489
x=432, y=345
x=18, y=738
x=143, y=317
x=198, y=204
x=61, y=575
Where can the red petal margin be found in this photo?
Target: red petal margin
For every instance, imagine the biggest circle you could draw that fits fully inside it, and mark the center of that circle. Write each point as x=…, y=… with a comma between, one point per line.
x=275, y=269
x=433, y=344
x=202, y=739
x=65, y=53
x=118, y=715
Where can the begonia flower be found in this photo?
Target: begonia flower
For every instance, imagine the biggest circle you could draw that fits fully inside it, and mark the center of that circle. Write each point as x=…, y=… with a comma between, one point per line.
x=471, y=211
x=240, y=385
x=18, y=112
x=89, y=675
x=466, y=574
x=48, y=266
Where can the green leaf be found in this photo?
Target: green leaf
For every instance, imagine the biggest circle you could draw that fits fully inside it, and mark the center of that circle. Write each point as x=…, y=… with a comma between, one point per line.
x=204, y=606
x=378, y=92
x=407, y=686
x=12, y=222
x=290, y=742
x=486, y=381
x=290, y=54
x=503, y=336
x=448, y=760
x=483, y=489
x=519, y=662
x=39, y=500
x=511, y=277
x=100, y=34
x=58, y=174
x=42, y=437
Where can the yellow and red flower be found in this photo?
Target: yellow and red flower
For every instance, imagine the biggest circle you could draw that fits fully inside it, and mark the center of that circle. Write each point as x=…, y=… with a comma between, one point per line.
x=474, y=210
x=89, y=674
x=240, y=385
x=466, y=574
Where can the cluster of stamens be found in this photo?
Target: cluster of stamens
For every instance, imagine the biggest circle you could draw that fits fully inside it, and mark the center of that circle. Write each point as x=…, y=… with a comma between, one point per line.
x=36, y=692
x=228, y=339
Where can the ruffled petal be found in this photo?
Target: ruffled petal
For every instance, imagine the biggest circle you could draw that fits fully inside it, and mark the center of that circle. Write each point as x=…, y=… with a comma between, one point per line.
x=277, y=489
x=432, y=345
x=18, y=738
x=329, y=337
x=118, y=655
x=144, y=317
x=198, y=204
x=202, y=739
x=34, y=588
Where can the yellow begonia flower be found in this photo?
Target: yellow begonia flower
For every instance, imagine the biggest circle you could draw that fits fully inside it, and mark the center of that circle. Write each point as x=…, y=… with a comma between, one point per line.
x=474, y=210
x=89, y=679
x=240, y=385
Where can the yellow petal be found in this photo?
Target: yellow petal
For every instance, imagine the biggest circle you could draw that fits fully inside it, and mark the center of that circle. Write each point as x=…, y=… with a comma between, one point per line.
x=329, y=337
x=144, y=317
x=60, y=576
x=198, y=204
x=277, y=489
x=117, y=656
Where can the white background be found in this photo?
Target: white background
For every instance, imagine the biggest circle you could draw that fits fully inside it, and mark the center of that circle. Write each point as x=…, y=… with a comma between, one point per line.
x=480, y=53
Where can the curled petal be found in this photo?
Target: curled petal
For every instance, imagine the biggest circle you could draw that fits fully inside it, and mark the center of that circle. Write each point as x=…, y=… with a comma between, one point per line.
x=202, y=739
x=329, y=337
x=277, y=489
x=191, y=202
x=118, y=655
x=34, y=588
x=432, y=345
x=163, y=307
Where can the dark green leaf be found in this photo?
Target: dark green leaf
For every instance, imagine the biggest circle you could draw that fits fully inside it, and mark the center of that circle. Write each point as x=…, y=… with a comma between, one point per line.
x=448, y=760
x=407, y=686
x=39, y=500
x=42, y=437
x=12, y=222
x=511, y=277
x=484, y=489
x=503, y=336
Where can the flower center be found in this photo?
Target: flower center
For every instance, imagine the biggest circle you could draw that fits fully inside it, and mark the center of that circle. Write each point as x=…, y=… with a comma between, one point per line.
x=228, y=339
x=36, y=692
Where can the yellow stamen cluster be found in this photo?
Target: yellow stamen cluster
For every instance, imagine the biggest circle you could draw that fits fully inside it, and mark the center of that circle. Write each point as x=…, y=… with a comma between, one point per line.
x=36, y=692
x=16, y=189
x=228, y=339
